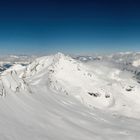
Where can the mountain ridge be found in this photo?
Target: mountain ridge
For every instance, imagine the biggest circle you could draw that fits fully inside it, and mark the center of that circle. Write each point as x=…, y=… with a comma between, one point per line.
x=97, y=86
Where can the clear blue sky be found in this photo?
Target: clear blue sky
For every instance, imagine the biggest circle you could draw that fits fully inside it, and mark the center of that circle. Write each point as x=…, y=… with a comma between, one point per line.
x=73, y=26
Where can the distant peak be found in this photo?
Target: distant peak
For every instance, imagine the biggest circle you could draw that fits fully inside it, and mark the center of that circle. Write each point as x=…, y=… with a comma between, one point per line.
x=60, y=56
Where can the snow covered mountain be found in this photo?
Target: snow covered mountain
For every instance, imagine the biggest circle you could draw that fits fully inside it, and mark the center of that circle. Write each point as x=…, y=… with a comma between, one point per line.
x=59, y=93
x=7, y=61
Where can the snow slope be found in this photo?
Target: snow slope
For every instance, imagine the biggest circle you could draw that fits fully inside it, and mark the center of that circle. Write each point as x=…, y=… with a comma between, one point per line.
x=57, y=97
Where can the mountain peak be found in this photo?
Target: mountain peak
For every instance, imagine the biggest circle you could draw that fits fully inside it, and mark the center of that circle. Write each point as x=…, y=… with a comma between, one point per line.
x=60, y=55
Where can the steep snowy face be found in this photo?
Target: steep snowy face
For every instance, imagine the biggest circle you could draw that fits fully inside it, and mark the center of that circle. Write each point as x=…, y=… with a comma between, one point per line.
x=71, y=77
x=66, y=75
x=11, y=81
x=40, y=65
x=16, y=78
x=95, y=84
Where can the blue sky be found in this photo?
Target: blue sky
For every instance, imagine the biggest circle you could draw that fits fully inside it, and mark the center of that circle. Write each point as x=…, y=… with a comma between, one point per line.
x=71, y=26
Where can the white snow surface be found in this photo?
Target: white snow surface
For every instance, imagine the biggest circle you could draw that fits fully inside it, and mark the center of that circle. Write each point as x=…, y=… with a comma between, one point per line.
x=60, y=98
x=136, y=63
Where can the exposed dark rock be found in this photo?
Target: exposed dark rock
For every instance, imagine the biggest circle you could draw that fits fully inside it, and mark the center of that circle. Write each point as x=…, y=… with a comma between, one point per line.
x=128, y=89
x=107, y=96
x=94, y=94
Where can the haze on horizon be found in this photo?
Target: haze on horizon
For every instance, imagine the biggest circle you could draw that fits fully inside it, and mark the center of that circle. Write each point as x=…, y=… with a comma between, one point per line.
x=70, y=26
